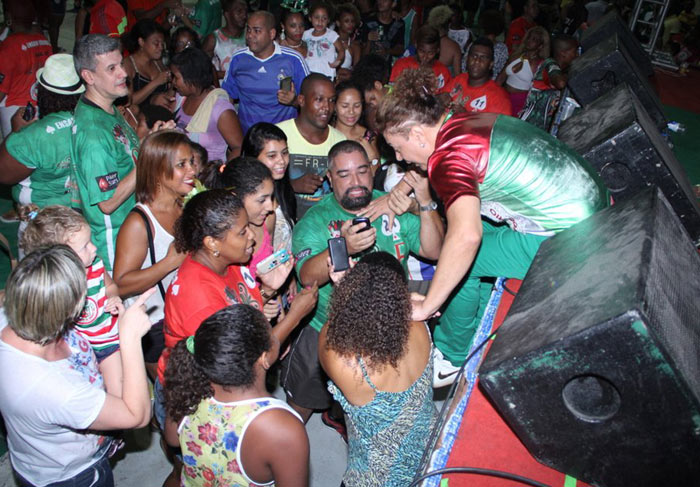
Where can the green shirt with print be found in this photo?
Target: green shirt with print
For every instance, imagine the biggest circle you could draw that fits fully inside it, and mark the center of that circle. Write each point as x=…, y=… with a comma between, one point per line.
x=43, y=146
x=323, y=221
x=103, y=152
x=206, y=17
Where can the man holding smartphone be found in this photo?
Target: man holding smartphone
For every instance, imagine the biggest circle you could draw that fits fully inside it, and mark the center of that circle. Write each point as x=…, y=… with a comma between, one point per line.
x=255, y=74
x=351, y=179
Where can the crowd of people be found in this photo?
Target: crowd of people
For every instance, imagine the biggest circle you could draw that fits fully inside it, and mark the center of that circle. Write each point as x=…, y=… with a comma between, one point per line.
x=178, y=178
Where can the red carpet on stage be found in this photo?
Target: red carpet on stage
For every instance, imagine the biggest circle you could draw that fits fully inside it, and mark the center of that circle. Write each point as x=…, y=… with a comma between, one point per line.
x=680, y=91
x=484, y=440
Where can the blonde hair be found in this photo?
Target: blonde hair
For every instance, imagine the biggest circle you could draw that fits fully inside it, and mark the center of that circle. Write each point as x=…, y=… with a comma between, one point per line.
x=411, y=102
x=544, y=50
x=45, y=293
x=440, y=17
x=53, y=224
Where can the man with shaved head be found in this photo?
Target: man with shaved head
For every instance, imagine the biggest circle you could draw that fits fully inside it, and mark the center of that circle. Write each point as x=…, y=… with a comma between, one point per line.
x=257, y=75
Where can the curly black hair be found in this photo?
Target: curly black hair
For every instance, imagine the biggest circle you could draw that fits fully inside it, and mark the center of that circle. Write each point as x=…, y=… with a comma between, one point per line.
x=195, y=67
x=370, y=312
x=49, y=102
x=208, y=214
x=226, y=347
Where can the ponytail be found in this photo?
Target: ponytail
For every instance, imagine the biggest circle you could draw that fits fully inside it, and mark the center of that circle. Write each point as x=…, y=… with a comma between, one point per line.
x=185, y=383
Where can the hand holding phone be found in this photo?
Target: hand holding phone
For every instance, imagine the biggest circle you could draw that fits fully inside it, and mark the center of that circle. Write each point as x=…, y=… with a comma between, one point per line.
x=286, y=83
x=339, y=253
x=363, y=221
x=273, y=261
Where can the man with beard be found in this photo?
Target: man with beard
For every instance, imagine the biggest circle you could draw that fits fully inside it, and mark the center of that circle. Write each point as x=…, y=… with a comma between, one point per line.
x=309, y=138
x=351, y=179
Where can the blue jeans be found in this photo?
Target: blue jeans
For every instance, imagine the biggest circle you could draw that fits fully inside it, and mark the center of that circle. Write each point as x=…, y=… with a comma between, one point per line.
x=98, y=474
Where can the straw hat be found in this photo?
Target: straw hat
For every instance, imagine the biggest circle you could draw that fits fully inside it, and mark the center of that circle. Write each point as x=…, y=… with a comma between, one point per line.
x=58, y=75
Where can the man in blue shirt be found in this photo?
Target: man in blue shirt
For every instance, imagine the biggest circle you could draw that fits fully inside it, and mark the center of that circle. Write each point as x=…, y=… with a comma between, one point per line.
x=255, y=73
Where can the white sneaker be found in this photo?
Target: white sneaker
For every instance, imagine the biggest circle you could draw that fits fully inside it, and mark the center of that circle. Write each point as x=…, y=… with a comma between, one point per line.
x=444, y=373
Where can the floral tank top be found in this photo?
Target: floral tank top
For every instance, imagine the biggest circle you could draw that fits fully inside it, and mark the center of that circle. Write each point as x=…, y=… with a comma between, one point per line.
x=210, y=440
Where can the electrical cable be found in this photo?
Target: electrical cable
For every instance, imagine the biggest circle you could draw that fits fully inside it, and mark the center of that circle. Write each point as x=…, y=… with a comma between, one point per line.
x=479, y=471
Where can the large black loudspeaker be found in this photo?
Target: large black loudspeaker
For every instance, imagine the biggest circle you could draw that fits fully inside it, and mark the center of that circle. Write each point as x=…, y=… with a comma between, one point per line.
x=597, y=365
x=606, y=65
x=617, y=137
x=609, y=25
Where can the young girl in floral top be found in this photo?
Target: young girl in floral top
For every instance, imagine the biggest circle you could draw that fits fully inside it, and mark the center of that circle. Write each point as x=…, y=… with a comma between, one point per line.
x=230, y=430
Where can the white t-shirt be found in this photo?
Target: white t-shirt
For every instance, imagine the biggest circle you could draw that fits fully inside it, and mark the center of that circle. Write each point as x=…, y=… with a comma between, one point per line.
x=321, y=51
x=46, y=405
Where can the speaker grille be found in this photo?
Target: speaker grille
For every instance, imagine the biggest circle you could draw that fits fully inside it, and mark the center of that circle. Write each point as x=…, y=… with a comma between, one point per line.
x=671, y=293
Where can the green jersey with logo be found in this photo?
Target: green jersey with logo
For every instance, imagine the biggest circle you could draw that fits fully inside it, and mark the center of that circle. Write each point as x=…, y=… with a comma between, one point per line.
x=43, y=146
x=103, y=152
x=323, y=221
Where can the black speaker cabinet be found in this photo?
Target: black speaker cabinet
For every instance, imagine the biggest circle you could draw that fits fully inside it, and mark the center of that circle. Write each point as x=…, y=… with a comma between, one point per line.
x=609, y=25
x=606, y=65
x=617, y=137
x=597, y=365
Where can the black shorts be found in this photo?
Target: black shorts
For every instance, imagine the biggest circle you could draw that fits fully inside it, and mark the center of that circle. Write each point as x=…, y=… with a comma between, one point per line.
x=302, y=378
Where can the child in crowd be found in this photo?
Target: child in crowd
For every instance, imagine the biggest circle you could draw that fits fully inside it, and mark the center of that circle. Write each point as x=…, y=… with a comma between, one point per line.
x=220, y=413
x=97, y=322
x=321, y=42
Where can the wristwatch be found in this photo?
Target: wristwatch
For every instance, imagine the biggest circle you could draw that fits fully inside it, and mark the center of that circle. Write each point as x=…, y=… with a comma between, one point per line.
x=432, y=206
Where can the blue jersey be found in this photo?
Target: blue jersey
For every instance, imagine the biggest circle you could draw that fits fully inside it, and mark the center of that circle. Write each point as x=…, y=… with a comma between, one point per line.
x=255, y=82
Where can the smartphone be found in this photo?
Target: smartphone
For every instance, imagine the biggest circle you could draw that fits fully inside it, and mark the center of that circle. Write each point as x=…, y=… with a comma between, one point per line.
x=286, y=84
x=273, y=261
x=339, y=254
x=29, y=112
x=362, y=220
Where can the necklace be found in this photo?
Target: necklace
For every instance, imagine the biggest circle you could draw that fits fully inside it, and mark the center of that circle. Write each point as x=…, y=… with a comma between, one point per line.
x=296, y=45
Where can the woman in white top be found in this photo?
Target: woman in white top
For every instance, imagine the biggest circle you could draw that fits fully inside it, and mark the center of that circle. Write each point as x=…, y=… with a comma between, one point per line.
x=165, y=173
x=51, y=392
x=346, y=25
x=522, y=66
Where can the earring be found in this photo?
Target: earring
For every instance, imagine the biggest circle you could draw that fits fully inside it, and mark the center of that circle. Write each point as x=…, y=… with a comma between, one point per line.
x=422, y=146
x=282, y=35
x=216, y=253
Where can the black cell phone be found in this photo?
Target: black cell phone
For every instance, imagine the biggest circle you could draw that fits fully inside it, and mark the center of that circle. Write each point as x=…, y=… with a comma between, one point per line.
x=362, y=220
x=29, y=112
x=286, y=84
x=339, y=254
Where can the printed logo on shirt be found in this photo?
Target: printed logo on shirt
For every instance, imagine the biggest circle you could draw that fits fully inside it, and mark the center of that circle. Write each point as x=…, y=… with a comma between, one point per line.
x=247, y=277
x=108, y=182
x=302, y=254
x=262, y=69
x=478, y=104
x=334, y=228
x=396, y=228
x=89, y=313
x=119, y=134
x=441, y=81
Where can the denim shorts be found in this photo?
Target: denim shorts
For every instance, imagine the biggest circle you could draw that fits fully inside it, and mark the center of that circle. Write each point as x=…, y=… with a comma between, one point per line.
x=99, y=474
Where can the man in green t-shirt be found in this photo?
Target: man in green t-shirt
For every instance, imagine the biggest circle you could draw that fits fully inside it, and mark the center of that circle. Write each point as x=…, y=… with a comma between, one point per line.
x=104, y=148
x=351, y=179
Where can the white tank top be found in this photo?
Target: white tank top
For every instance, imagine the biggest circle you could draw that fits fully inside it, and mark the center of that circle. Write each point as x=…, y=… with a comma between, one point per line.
x=161, y=241
x=522, y=80
x=224, y=48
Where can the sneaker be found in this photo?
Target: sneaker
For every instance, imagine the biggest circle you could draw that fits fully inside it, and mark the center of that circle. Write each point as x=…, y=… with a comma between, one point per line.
x=336, y=424
x=444, y=373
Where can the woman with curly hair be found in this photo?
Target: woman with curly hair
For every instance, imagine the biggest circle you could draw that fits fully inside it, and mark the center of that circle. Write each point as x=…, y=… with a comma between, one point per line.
x=221, y=415
x=380, y=365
